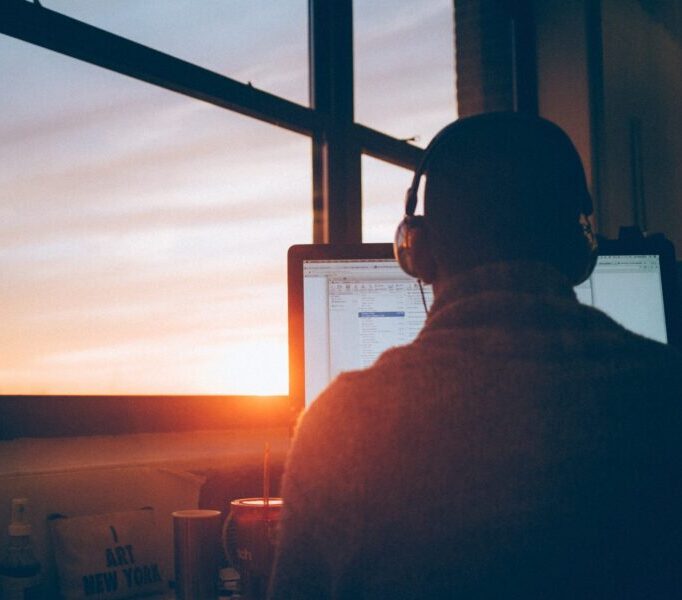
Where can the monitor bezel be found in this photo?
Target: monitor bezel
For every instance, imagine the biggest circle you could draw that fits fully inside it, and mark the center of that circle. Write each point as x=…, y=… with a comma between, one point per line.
x=296, y=256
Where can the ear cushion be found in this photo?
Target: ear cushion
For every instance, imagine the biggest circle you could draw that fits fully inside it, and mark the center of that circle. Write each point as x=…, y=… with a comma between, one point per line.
x=412, y=250
x=401, y=248
x=581, y=258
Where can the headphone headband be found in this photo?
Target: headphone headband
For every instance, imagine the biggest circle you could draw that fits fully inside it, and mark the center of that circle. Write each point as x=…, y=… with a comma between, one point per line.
x=411, y=244
x=411, y=196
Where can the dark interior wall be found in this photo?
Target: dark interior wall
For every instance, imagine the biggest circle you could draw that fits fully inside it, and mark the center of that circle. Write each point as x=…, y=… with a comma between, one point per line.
x=564, y=94
x=495, y=56
x=610, y=73
x=492, y=69
x=642, y=75
x=484, y=57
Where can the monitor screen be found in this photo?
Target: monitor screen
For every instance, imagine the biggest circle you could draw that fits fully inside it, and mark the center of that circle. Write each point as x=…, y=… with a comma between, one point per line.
x=629, y=289
x=353, y=311
x=358, y=304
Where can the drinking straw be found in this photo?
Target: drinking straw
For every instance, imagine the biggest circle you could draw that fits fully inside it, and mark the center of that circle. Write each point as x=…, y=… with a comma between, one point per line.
x=266, y=475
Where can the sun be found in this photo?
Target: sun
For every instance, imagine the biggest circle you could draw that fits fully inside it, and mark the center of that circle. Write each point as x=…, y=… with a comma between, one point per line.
x=256, y=367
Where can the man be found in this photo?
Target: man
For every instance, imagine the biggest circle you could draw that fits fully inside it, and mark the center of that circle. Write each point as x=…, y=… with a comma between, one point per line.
x=524, y=445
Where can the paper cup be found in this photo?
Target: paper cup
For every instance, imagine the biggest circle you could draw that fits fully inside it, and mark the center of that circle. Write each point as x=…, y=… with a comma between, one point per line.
x=196, y=536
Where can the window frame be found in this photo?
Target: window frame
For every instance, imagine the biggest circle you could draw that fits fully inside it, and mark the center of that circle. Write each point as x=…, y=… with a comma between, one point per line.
x=337, y=146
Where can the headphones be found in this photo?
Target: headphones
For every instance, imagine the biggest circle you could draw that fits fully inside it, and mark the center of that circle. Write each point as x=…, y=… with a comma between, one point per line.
x=411, y=245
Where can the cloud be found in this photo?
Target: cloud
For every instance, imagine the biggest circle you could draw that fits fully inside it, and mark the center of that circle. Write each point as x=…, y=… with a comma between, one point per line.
x=406, y=56
x=143, y=234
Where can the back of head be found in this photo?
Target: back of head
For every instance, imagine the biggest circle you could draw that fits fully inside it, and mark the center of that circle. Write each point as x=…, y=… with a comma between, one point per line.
x=506, y=186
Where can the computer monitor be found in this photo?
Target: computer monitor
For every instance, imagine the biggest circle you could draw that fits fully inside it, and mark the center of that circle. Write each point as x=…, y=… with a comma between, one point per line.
x=347, y=304
x=629, y=288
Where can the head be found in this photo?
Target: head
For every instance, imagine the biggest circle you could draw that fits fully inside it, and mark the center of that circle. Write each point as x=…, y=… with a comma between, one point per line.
x=499, y=186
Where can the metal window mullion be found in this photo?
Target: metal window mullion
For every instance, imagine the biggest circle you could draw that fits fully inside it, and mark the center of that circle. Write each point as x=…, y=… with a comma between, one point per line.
x=387, y=148
x=336, y=151
x=337, y=141
x=42, y=27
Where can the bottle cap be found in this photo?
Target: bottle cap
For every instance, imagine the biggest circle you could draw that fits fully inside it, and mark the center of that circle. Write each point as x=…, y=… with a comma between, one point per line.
x=19, y=524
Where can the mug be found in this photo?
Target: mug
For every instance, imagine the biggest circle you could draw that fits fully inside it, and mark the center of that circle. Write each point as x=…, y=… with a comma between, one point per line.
x=249, y=539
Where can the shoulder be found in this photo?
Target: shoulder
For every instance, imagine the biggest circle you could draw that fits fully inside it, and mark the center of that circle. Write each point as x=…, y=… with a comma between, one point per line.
x=661, y=363
x=326, y=461
x=342, y=417
x=613, y=338
x=625, y=363
x=352, y=390
x=333, y=415
x=340, y=405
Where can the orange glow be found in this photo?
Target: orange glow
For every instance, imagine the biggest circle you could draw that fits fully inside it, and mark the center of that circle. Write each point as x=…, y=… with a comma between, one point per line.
x=143, y=233
x=259, y=502
x=255, y=367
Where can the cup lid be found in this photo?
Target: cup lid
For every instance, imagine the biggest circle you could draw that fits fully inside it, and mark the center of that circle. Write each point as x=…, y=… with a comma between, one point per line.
x=196, y=513
x=257, y=502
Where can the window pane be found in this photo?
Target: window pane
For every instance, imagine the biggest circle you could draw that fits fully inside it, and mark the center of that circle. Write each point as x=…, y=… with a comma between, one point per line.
x=404, y=66
x=383, y=198
x=264, y=42
x=143, y=235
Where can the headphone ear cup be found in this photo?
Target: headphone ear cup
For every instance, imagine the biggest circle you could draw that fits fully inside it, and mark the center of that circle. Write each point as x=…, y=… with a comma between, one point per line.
x=412, y=250
x=402, y=250
x=592, y=247
x=584, y=254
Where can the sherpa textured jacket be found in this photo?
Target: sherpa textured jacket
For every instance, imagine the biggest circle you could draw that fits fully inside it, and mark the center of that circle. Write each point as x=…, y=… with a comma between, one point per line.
x=523, y=446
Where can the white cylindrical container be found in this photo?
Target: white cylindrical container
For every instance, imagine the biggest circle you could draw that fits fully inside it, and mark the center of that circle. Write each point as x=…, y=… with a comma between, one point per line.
x=196, y=536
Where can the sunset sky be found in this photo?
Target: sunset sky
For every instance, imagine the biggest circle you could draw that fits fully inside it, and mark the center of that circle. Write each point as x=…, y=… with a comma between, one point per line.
x=143, y=234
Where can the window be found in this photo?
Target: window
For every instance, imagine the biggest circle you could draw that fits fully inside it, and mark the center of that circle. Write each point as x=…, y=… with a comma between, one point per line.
x=404, y=86
x=263, y=42
x=145, y=241
x=404, y=66
x=383, y=197
x=158, y=163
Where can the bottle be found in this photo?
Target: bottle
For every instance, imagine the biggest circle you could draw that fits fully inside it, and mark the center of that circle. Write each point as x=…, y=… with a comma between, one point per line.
x=20, y=576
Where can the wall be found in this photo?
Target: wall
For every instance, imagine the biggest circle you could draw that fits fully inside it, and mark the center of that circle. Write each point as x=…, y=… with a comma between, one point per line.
x=563, y=81
x=642, y=121
x=609, y=72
